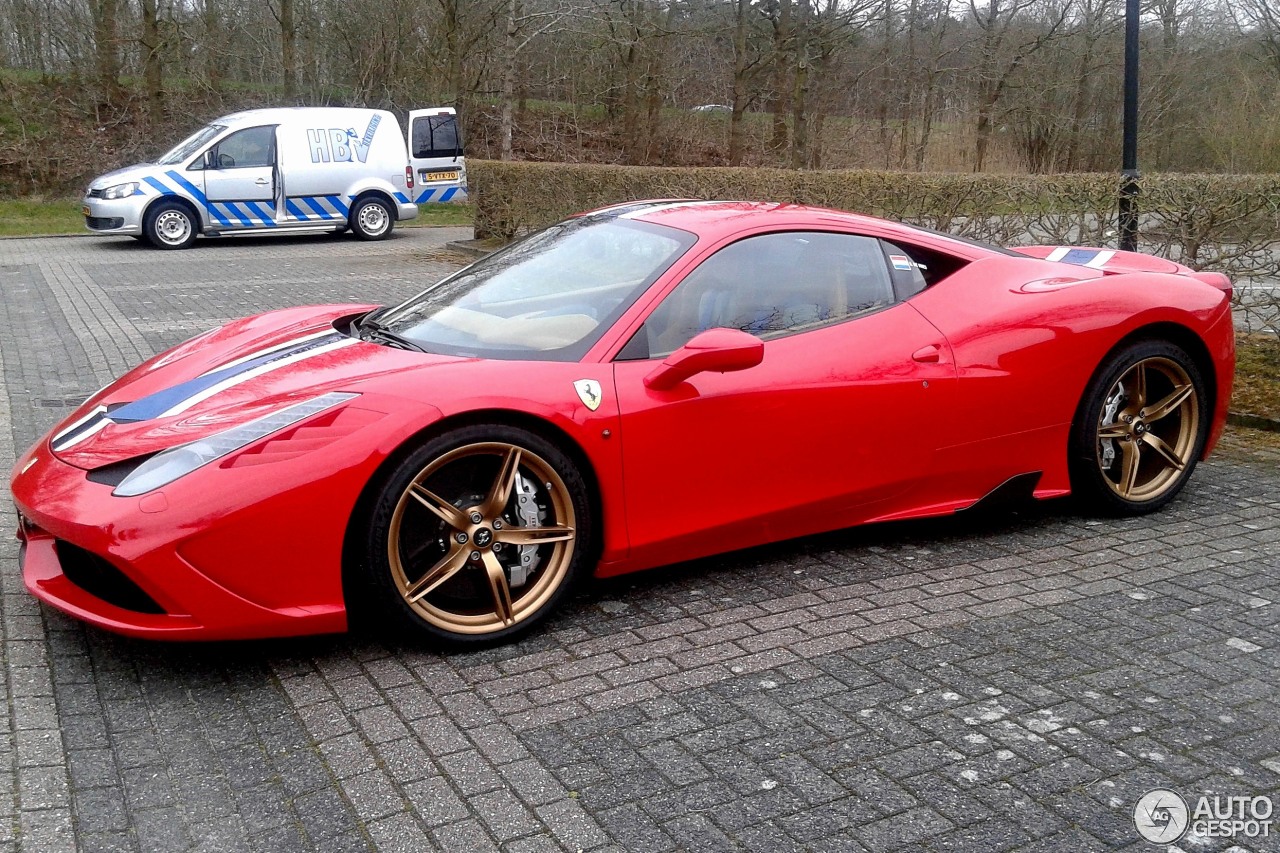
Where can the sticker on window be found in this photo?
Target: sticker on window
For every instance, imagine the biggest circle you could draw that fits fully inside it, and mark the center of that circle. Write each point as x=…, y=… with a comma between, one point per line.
x=901, y=262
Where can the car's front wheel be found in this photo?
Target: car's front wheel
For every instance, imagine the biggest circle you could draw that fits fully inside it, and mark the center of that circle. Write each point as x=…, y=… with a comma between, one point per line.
x=478, y=535
x=1140, y=429
x=170, y=225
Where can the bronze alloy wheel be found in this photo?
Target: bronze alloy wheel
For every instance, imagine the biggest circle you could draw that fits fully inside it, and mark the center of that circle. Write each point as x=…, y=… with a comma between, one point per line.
x=482, y=538
x=1148, y=429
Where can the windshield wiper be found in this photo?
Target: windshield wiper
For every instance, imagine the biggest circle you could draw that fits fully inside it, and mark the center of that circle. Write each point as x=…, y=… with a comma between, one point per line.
x=371, y=330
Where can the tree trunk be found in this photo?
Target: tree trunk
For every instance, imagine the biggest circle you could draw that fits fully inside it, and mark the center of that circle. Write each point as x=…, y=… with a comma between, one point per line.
x=152, y=69
x=212, y=31
x=782, y=49
x=288, y=51
x=815, y=148
x=741, y=9
x=1079, y=101
x=631, y=100
x=106, y=53
x=983, y=130
x=886, y=80
x=799, y=129
x=509, y=79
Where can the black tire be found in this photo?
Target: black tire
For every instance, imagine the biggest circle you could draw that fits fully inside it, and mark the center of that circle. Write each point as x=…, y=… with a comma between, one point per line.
x=371, y=218
x=1148, y=404
x=462, y=603
x=170, y=225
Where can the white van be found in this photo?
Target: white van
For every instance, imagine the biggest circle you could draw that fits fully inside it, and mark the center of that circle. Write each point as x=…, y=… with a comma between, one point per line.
x=295, y=169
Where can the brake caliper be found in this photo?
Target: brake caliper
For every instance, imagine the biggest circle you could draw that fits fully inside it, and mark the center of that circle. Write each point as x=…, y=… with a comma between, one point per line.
x=530, y=515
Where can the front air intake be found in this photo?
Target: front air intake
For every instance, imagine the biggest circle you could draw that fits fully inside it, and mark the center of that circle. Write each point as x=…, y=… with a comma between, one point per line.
x=98, y=577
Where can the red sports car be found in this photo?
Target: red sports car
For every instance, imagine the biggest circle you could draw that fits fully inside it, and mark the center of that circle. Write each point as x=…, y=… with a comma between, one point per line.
x=635, y=386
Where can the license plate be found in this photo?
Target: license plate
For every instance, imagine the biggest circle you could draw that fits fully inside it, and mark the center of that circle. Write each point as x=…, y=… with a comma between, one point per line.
x=85, y=210
x=441, y=176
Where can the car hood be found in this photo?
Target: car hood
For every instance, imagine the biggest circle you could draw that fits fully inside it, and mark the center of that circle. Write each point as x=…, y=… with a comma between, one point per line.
x=136, y=172
x=223, y=378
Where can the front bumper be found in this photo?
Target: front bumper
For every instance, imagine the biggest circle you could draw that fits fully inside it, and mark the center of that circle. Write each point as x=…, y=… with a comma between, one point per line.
x=117, y=216
x=228, y=551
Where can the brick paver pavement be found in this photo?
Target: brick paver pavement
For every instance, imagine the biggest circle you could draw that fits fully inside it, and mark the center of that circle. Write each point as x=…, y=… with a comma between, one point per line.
x=1002, y=683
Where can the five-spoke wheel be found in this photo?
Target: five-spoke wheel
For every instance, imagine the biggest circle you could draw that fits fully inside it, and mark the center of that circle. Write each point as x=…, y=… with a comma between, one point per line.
x=1141, y=429
x=479, y=533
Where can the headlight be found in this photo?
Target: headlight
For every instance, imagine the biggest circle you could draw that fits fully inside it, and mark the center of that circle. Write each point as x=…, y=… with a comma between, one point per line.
x=169, y=465
x=120, y=190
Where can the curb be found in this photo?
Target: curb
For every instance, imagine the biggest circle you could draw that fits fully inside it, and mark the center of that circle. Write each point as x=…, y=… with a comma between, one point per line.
x=474, y=248
x=1244, y=419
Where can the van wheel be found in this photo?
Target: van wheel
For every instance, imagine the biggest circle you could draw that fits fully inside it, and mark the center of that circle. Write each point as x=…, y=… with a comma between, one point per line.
x=371, y=219
x=170, y=225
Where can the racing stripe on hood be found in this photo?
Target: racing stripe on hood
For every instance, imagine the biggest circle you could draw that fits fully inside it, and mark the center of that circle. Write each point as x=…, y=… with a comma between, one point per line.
x=179, y=398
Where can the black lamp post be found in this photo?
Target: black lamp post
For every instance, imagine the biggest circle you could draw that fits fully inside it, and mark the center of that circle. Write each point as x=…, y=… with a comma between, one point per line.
x=1129, y=175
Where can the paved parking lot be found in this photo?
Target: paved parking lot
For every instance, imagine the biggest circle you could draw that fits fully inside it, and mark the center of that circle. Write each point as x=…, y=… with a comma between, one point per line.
x=1006, y=683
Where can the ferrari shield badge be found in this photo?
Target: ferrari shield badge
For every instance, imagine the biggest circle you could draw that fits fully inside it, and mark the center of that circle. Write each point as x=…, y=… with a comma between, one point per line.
x=588, y=392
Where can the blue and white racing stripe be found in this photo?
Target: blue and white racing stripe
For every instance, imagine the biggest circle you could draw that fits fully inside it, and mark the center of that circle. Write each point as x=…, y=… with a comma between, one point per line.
x=246, y=214
x=181, y=397
x=439, y=194
x=316, y=208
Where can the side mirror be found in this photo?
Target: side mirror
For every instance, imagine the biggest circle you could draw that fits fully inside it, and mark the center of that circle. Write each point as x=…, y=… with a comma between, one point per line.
x=718, y=350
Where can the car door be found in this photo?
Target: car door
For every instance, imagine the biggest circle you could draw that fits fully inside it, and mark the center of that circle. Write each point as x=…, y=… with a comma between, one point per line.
x=240, y=178
x=835, y=424
x=435, y=154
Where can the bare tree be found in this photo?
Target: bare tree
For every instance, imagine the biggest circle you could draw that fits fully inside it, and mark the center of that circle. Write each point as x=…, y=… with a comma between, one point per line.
x=106, y=47
x=1004, y=44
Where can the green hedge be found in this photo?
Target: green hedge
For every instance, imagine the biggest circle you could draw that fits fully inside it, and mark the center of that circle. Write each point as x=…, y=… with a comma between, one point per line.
x=1225, y=223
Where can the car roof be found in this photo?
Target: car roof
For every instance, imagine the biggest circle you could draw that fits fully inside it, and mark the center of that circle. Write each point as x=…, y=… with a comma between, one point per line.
x=721, y=218
x=280, y=115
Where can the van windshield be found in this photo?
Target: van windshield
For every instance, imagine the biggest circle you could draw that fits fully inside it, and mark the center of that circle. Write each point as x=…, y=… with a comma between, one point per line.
x=189, y=146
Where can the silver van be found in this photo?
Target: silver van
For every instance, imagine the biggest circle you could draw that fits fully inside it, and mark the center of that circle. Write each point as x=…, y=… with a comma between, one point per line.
x=295, y=169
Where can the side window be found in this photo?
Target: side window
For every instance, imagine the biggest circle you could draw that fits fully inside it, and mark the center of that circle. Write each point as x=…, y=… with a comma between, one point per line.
x=254, y=146
x=914, y=268
x=436, y=136
x=770, y=286
x=907, y=270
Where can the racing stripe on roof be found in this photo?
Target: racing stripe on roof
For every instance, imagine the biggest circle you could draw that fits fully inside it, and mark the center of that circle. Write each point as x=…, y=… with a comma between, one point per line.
x=673, y=205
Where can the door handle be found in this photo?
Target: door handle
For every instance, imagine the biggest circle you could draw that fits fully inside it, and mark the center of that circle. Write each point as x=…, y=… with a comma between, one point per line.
x=262, y=182
x=927, y=355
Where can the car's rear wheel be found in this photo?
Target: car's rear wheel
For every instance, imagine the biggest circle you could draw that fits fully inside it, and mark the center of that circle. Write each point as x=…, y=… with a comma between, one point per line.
x=478, y=535
x=371, y=219
x=1140, y=429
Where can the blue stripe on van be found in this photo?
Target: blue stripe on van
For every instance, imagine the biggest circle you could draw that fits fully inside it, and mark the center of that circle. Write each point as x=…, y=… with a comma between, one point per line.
x=294, y=211
x=336, y=201
x=266, y=218
x=314, y=204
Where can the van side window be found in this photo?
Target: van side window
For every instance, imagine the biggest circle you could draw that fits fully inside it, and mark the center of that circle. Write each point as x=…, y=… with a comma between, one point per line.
x=254, y=146
x=436, y=136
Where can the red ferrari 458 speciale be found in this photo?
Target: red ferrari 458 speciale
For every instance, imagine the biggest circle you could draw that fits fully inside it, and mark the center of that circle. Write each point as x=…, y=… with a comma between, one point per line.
x=639, y=385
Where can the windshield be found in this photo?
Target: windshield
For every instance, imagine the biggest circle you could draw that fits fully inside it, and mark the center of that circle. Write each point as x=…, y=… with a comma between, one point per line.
x=549, y=297
x=184, y=150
